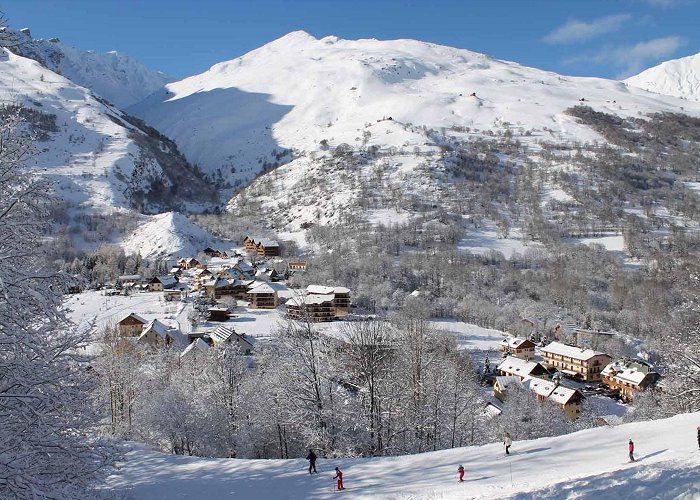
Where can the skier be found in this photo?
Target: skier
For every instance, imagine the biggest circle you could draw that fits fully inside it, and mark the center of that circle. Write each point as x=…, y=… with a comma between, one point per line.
x=461, y=473
x=631, y=448
x=698, y=436
x=507, y=442
x=339, y=477
x=311, y=457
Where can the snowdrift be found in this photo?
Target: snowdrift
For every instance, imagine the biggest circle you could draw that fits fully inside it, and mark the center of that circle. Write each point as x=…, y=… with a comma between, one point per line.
x=590, y=463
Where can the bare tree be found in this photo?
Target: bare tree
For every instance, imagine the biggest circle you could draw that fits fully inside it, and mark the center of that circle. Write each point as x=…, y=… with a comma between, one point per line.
x=47, y=419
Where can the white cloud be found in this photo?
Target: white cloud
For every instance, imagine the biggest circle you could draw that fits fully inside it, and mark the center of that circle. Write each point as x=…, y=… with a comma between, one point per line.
x=575, y=31
x=631, y=59
x=662, y=3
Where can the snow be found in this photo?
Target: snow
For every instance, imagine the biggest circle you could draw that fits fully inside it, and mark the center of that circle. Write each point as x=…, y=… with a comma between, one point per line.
x=586, y=464
x=296, y=91
x=311, y=299
x=470, y=336
x=614, y=243
x=387, y=216
x=677, y=77
x=99, y=311
x=485, y=239
x=556, y=194
x=559, y=349
x=90, y=156
x=120, y=79
x=167, y=235
x=517, y=366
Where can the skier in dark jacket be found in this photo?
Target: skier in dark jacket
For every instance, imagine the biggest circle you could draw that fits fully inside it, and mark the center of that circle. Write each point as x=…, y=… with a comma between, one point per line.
x=698, y=436
x=311, y=457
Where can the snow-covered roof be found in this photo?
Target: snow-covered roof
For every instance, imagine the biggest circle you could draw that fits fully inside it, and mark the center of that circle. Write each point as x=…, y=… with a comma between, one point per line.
x=156, y=326
x=311, y=299
x=539, y=386
x=218, y=309
x=571, y=351
x=341, y=289
x=518, y=366
x=320, y=289
x=162, y=330
x=545, y=388
x=505, y=381
x=492, y=409
x=562, y=395
x=627, y=370
x=166, y=280
x=261, y=288
x=515, y=342
x=267, y=242
x=136, y=317
x=197, y=345
x=130, y=277
x=222, y=334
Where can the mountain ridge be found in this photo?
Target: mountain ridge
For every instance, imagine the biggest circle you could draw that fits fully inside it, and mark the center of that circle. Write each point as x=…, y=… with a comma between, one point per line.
x=297, y=91
x=676, y=77
x=118, y=78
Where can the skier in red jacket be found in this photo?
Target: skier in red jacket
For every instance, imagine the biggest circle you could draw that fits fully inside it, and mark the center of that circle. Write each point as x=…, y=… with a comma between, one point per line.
x=339, y=477
x=631, y=448
x=461, y=473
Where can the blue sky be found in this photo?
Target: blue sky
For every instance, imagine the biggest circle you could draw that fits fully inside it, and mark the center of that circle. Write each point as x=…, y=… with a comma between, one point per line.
x=609, y=38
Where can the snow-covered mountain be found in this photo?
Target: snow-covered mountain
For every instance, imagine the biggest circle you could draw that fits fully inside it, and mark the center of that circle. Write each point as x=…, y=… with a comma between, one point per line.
x=118, y=78
x=99, y=158
x=169, y=234
x=298, y=92
x=587, y=464
x=677, y=77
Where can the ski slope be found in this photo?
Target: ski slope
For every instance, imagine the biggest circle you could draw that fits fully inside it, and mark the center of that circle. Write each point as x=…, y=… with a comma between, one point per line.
x=587, y=464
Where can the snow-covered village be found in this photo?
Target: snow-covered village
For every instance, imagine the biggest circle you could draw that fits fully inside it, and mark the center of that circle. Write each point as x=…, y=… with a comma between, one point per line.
x=321, y=249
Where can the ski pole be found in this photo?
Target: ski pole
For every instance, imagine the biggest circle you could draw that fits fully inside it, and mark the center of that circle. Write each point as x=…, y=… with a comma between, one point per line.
x=510, y=465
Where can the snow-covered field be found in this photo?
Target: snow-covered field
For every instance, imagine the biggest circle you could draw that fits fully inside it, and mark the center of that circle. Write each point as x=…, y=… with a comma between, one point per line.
x=587, y=464
x=94, y=308
x=470, y=336
x=485, y=239
x=614, y=243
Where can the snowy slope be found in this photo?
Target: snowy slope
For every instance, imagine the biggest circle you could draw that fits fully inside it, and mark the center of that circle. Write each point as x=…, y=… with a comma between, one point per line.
x=92, y=153
x=587, y=464
x=167, y=235
x=677, y=77
x=297, y=91
x=118, y=78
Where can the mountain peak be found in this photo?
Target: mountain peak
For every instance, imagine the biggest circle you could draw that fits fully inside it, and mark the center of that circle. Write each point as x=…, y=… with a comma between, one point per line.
x=293, y=38
x=677, y=77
